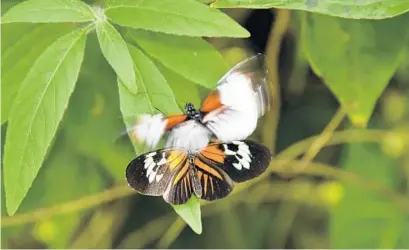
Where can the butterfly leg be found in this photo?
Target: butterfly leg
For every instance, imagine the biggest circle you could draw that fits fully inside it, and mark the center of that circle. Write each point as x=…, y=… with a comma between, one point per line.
x=197, y=186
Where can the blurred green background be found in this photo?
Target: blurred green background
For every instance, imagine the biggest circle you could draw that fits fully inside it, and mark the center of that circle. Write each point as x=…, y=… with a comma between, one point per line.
x=355, y=194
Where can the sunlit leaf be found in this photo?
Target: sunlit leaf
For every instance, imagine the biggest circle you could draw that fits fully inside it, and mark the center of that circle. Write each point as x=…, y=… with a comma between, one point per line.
x=93, y=122
x=369, y=9
x=187, y=17
x=46, y=11
x=190, y=213
x=355, y=58
x=116, y=52
x=184, y=90
x=37, y=111
x=379, y=221
x=193, y=58
x=19, y=52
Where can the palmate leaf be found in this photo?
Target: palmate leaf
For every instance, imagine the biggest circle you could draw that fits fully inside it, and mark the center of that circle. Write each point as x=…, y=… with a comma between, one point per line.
x=47, y=11
x=187, y=17
x=37, y=111
x=116, y=52
x=355, y=58
x=191, y=57
x=19, y=52
x=368, y=9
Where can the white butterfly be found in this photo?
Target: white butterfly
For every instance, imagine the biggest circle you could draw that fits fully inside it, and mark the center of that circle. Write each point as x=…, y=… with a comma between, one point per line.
x=228, y=113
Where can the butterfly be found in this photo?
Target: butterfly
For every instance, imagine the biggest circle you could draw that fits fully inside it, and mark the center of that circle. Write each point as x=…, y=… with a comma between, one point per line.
x=229, y=113
x=209, y=173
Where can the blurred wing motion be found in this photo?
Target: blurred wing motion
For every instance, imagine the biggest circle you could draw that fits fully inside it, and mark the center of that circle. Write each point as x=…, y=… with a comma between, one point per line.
x=188, y=136
x=242, y=96
x=230, y=112
x=150, y=128
x=216, y=168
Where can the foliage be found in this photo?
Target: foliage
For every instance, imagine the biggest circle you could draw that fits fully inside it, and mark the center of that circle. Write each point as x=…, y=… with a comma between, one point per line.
x=76, y=73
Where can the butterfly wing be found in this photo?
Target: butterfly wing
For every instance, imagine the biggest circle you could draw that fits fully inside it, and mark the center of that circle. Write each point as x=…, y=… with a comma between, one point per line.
x=167, y=172
x=151, y=173
x=215, y=183
x=180, y=188
x=219, y=165
x=242, y=96
x=241, y=160
x=205, y=179
x=150, y=128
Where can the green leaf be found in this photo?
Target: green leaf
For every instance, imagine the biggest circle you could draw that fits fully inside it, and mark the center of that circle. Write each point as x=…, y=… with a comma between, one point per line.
x=190, y=213
x=37, y=111
x=47, y=11
x=369, y=9
x=193, y=58
x=365, y=219
x=187, y=17
x=95, y=101
x=356, y=59
x=184, y=90
x=19, y=52
x=153, y=92
x=116, y=52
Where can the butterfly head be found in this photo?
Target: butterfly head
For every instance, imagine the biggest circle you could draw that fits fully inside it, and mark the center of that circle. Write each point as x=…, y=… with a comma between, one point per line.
x=191, y=112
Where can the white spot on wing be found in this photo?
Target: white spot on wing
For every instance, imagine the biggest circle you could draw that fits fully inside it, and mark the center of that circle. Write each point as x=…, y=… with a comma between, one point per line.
x=227, y=151
x=150, y=168
x=237, y=165
x=150, y=155
x=244, y=153
x=151, y=177
x=159, y=177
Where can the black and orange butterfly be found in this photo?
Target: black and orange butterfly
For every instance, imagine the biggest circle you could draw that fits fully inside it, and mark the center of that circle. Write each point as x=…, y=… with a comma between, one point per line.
x=177, y=174
x=230, y=112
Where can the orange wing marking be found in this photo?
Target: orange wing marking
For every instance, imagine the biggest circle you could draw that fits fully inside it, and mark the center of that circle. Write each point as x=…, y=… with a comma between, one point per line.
x=212, y=102
x=174, y=120
x=208, y=169
x=206, y=177
x=199, y=175
x=214, y=153
x=181, y=173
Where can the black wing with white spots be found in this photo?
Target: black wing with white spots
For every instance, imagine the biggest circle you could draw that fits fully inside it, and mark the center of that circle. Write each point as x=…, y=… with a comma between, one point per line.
x=151, y=173
x=244, y=160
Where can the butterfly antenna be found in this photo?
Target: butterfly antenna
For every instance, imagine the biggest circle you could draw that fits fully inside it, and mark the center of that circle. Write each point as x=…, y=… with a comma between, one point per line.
x=160, y=111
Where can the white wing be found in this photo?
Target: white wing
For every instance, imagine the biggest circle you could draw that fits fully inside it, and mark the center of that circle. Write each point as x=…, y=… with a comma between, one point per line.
x=244, y=96
x=149, y=129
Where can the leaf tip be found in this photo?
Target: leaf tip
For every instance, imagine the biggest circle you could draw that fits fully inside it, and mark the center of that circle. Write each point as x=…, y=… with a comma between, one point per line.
x=11, y=206
x=191, y=214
